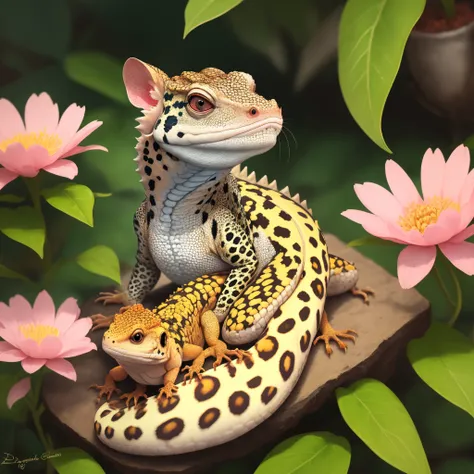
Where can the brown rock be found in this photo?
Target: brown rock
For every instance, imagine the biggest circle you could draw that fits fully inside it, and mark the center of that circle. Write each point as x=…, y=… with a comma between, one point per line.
x=392, y=319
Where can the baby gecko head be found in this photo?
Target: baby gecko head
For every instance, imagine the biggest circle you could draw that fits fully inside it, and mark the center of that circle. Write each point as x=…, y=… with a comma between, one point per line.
x=136, y=334
x=210, y=118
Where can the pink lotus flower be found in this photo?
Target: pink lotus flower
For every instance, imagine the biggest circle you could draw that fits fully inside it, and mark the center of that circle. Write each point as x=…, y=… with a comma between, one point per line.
x=43, y=141
x=38, y=336
x=440, y=219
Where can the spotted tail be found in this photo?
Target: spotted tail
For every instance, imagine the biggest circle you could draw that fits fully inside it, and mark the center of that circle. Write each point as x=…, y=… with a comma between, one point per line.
x=229, y=402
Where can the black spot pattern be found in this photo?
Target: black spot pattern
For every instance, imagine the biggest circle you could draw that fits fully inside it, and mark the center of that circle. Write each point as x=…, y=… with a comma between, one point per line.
x=208, y=418
x=132, y=432
x=268, y=394
x=287, y=365
x=239, y=401
x=286, y=326
x=170, y=429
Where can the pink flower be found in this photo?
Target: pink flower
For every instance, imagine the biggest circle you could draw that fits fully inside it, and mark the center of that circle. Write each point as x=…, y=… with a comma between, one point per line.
x=43, y=141
x=38, y=336
x=440, y=219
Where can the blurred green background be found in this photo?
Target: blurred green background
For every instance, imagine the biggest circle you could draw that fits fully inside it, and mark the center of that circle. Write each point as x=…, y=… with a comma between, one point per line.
x=74, y=50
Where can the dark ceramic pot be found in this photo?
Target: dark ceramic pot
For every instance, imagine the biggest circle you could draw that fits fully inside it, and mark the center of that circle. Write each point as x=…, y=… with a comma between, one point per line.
x=442, y=65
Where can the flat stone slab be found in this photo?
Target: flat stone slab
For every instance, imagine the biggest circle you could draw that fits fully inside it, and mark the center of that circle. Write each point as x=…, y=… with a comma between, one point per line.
x=384, y=328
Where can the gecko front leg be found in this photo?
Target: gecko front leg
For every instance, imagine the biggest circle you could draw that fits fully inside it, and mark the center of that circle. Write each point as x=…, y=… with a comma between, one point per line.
x=117, y=374
x=145, y=274
x=234, y=246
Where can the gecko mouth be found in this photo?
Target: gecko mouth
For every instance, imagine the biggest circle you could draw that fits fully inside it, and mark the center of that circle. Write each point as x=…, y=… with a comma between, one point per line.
x=143, y=357
x=204, y=138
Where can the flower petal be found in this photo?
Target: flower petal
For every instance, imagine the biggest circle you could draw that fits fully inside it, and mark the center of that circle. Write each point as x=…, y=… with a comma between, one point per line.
x=456, y=171
x=11, y=123
x=41, y=114
x=461, y=255
x=30, y=365
x=18, y=391
x=43, y=309
x=379, y=201
x=67, y=313
x=83, y=133
x=62, y=367
x=6, y=177
x=372, y=224
x=79, y=349
x=70, y=122
x=12, y=335
x=9, y=353
x=432, y=173
x=21, y=310
x=26, y=163
x=447, y=225
x=65, y=168
x=48, y=348
x=81, y=149
x=462, y=236
x=401, y=184
x=78, y=330
x=414, y=263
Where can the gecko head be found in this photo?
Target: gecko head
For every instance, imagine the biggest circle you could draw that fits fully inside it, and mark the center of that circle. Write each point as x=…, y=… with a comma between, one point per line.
x=136, y=335
x=209, y=119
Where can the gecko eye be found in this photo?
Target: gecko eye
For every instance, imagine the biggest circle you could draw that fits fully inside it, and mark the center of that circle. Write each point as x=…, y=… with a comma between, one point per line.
x=137, y=337
x=163, y=339
x=253, y=111
x=200, y=104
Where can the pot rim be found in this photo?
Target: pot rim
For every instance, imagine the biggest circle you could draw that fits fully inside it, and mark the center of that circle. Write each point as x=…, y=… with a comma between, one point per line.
x=443, y=34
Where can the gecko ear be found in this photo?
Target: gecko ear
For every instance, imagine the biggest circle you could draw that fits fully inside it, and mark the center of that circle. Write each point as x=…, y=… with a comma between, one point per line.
x=145, y=84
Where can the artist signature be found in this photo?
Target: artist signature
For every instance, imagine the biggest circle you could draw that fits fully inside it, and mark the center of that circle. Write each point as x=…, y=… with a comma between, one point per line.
x=21, y=463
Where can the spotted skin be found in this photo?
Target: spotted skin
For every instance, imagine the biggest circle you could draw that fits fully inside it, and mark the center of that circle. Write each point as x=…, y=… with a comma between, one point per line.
x=192, y=165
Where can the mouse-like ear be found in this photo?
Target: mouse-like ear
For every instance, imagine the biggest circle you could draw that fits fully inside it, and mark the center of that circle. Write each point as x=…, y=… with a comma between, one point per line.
x=140, y=80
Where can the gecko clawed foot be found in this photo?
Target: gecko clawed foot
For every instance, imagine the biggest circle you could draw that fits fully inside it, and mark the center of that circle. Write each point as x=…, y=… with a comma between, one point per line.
x=193, y=370
x=101, y=321
x=220, y=352
x=167, y=391
x=113, y=297
x=106, y=390
x=364, y=293
x=139, y=392
x=334, y=335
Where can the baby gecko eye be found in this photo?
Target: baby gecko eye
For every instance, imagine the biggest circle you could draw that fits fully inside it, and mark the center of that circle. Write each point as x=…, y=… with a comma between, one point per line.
x=199, y=104
x=137, y=337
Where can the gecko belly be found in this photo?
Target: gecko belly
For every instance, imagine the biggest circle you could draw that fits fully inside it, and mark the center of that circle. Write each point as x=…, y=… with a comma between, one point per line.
x=146, y=374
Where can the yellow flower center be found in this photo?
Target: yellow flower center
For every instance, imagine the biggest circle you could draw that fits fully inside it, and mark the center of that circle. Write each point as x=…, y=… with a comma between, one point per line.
x=420, y=216
x=52, y=143
x=38, y=332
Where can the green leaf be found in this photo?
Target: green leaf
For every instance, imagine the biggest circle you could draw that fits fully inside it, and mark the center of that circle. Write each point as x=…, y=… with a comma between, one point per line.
x=7, y=273
x=100, y=260
x=444, y=359
x=102, y=195
x=75, y=200
x=97, y=71
x=380, y=420
x=372, y=38
x=469, y=142
x=74, y=461
x=24, y=225
x=37, y=26
x=198, y=12
x=369, y=240
x=11, y=198
x=307, y=454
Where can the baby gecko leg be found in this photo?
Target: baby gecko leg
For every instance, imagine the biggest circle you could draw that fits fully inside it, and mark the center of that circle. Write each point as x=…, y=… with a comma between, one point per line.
x=117, y=374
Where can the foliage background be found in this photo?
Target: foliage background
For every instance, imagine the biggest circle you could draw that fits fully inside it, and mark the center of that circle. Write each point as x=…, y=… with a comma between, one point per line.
x=74, y=50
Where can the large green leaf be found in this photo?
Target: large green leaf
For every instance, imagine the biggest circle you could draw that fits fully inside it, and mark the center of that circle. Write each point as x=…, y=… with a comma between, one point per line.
x=380, y=420
x=76, y=200
x=5, y=272
x=97, y=71
x=44, y=28
x=444, y=359
x=307, y=454
x=74, y=461
x=372, y=38
x=24, y=225
x=100, y=260
x=11, y=198
x=198, y=12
